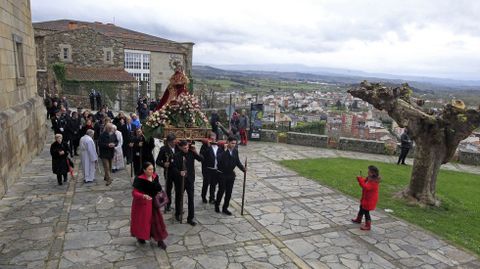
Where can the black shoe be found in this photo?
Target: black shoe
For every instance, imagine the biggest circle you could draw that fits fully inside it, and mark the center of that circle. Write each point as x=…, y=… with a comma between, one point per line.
x=204, y=200
x=141, y=241
x=217, y=209
x=191, y=222
x=212, y=201
x=404, y=164
x=76, y=154
x=177, y=217
x=226, y=212
x=162, y=245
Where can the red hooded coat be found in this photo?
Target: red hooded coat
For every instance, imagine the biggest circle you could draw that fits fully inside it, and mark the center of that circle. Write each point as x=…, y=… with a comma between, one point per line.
x=369, y=193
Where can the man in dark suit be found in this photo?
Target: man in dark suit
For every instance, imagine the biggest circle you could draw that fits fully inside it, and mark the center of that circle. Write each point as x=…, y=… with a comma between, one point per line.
x=227, y=162
x=210, y=151
x=165, y=160
x=106, y=144
x=184, y=169
x=127, y=139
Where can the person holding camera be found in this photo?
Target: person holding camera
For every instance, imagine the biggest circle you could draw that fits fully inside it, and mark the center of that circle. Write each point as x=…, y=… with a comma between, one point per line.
x=184, y=170
x=368, y=202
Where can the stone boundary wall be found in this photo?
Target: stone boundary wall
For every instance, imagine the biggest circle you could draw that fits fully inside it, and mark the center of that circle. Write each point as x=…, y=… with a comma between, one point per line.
x=467, y=157
x=268, y=135
x=352, y=144
x=311, y=140
x=23, y=131
x=368, y=146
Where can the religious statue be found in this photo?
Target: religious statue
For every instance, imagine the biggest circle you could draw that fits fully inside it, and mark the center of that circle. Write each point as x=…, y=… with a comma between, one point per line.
x=177, y=86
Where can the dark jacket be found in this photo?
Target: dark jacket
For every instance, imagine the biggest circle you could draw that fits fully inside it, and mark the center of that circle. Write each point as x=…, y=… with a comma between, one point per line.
x=227, y=163
x=105, y=152
x=166, y=155
x=145, y=150
x=190, y=158
x=73, y=128
x=59, y=162
x=209, y=156
x=405, y=141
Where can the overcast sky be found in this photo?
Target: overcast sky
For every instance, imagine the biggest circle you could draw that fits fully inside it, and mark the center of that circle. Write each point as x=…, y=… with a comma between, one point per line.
x=412, y=37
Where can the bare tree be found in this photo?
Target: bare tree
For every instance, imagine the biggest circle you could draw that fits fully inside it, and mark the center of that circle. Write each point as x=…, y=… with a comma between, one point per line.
x=436, y=135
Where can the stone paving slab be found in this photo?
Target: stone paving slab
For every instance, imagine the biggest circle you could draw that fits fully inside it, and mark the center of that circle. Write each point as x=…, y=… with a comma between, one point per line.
x=289, y=222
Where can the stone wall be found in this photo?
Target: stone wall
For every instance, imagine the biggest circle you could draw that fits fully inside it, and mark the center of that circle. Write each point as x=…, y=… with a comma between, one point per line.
x=117, y=95
x=22, y=114
x=369, y=146
x=87, y=48
x=268, y=135
x=467, y=157
x=310, y=140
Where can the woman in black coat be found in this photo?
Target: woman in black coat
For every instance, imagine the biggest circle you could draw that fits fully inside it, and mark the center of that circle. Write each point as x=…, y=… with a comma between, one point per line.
x=59, y=151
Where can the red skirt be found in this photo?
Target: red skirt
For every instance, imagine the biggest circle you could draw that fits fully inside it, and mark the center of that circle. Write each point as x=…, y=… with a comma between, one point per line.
x=158, y=229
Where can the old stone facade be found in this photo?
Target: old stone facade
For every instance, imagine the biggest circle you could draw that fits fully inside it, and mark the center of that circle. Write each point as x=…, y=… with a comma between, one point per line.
x=149, y=59
x=90, y=60
x=22, y=113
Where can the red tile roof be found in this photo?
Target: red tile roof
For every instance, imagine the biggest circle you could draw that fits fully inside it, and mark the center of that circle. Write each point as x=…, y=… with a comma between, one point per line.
x=97, y=74
x=114, y=31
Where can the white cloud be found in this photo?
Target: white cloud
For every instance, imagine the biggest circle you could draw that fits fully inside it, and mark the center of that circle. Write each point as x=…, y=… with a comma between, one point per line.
x=435, y=38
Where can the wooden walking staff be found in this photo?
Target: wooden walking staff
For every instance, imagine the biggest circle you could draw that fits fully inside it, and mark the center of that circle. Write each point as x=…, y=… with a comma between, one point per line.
x=244, y=182
x=182, y=188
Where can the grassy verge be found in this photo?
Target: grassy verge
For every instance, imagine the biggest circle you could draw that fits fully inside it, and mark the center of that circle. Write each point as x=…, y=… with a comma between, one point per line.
x=457, y=219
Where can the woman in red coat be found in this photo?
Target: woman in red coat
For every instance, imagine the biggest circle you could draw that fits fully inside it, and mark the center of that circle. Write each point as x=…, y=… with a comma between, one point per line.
x=369, y=199
x=147, y=220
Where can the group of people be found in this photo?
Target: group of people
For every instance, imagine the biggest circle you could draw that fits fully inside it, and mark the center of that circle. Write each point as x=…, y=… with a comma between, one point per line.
x=239, y=123
x=114, y=140
x=177, y=158
x=118, y=141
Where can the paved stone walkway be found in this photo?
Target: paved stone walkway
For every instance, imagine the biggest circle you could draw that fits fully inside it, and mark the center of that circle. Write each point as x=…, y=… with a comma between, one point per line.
x=290, y=222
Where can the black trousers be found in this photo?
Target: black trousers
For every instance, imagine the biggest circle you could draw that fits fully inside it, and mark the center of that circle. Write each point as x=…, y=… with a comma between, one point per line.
x=74, y=142
x=179, y=197
x=225, y=185
x=365, y=212
x=403, y=155
x=169, y=186
x=210, y=180
x=127, y=153
x=59, y=178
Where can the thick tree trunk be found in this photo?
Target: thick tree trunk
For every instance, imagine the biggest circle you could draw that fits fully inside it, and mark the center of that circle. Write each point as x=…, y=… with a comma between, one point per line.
x=428, y=159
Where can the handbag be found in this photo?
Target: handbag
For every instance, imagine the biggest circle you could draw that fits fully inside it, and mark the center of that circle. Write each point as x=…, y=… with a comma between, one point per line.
x=161, y=199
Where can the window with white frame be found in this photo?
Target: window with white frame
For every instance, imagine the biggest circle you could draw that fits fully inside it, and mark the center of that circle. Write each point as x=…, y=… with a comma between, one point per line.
x=146, y=61
x=137, y=63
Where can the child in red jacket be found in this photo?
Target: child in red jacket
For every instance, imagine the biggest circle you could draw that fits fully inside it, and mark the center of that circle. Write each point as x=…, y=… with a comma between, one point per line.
x=369, y=199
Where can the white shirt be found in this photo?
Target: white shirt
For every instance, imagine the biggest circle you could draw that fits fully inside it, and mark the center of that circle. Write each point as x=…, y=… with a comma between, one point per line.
x=215, y=149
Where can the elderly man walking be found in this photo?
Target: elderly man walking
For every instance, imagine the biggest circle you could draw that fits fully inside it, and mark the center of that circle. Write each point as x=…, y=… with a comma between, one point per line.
x=106, y=145
x=88, y=156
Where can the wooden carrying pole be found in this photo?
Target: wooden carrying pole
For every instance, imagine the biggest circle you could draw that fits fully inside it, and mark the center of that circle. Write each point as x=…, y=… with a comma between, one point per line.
x=244, y=182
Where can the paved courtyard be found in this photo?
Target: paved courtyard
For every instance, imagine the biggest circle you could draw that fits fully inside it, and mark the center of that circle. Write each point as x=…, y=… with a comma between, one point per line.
x=289, y=222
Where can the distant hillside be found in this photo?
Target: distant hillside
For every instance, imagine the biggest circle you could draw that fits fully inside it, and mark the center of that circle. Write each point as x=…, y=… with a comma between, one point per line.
x=331, y=75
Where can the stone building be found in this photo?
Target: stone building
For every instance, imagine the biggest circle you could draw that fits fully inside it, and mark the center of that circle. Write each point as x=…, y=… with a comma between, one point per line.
x=92, y=48
x=22, y=113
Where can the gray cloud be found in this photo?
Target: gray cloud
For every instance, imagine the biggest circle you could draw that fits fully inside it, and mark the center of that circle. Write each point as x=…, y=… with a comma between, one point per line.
x=372, y=35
